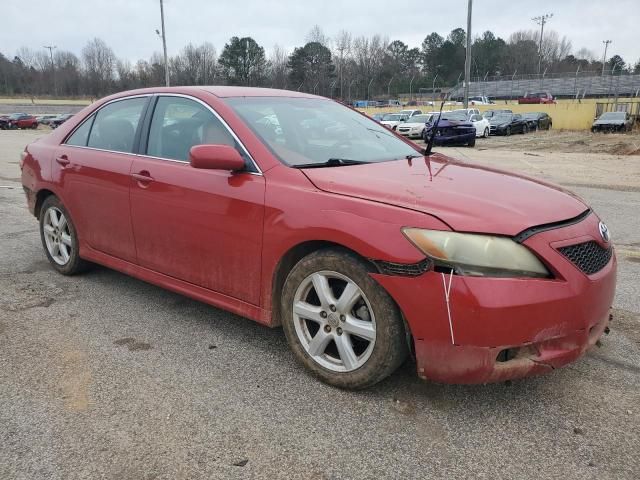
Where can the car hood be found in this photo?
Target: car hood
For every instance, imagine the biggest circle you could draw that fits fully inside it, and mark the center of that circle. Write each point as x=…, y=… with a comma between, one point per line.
x=467, y=197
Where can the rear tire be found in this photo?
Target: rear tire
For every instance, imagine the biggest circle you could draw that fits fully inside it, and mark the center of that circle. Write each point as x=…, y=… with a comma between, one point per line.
x=472, y=143
x=329, y=296
x=59, y=238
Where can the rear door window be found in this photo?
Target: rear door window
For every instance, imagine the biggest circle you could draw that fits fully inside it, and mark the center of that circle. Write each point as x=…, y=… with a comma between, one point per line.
x=115, y=125
x=80, y=137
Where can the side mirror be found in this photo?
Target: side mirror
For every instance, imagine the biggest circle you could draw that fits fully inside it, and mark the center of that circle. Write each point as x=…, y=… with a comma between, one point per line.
x=215, y=157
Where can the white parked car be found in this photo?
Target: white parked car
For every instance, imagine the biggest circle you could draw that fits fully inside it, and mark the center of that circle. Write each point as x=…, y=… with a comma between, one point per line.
x=480, y=100
x=467, y=111
x=392, y=120
x=482, y=125
x=410, y=113
x=414, y=126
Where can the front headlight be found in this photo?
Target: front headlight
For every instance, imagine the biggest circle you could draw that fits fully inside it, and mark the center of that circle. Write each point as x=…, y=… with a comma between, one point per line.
x=477, y=255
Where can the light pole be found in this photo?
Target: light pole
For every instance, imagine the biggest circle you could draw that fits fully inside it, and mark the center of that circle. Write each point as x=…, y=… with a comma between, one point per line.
x=467, y=59
x=541, y=20
x=389, y=86
x=604, y=57
x=164, y=44
x=51, y=48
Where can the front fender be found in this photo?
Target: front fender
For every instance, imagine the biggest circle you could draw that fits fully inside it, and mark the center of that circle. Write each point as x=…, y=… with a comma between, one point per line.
x=296, y=214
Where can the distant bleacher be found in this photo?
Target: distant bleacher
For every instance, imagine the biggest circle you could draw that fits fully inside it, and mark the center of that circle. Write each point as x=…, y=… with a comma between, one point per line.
x=581, y=85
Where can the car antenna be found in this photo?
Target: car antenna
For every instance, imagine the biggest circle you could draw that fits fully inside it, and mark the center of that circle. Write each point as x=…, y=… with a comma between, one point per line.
x=427, y=151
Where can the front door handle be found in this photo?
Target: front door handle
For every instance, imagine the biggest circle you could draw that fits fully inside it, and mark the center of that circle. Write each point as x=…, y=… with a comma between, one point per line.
x=62, y=160
x=143, y=176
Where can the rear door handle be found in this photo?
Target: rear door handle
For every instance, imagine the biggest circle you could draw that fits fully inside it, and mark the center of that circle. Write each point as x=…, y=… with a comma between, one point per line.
x=143, y=176
x=62, y=160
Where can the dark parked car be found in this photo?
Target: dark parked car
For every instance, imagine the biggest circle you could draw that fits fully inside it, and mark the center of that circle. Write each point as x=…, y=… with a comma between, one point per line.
x=492, y=113
x=508, y=123
x=4, y=122
x=613, y=122
x=452, y=129
x=45, y=119
x=59, y=120
x=22, y=120
x=538, y=120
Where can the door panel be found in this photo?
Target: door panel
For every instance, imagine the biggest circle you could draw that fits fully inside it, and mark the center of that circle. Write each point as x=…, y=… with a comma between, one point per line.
x=96, y=180
x=200, y=226
x=96, y=188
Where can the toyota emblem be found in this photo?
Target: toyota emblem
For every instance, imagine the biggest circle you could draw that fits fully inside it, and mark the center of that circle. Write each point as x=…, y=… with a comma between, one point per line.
x=604, y=232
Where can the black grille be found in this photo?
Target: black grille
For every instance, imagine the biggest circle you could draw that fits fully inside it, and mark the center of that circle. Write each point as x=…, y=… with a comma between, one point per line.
x=589, y=257
x=403, y=269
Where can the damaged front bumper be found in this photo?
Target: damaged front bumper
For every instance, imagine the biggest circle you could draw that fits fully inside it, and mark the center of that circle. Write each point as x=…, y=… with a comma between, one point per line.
x=499, y=329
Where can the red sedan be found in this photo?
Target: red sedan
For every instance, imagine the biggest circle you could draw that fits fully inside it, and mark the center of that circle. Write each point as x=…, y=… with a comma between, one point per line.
x=22, y=120
x=296, y=211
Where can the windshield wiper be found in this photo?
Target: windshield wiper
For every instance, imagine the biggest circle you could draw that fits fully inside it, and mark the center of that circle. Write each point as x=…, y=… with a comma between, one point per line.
x=332, y=162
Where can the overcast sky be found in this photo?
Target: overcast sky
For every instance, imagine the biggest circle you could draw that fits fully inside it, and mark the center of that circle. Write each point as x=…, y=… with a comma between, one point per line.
x=128, y=26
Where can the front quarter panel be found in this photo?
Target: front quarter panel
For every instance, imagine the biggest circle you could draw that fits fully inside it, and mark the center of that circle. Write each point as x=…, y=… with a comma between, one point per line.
x=296, y=212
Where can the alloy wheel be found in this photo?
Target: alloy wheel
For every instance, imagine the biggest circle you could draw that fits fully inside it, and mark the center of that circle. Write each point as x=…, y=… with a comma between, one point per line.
x=57, y=236
x=334, y=321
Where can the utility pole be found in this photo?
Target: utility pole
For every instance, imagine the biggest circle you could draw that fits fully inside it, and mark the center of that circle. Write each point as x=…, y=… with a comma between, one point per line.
x=51, y=48
x=467, y=59
x=164, y=45
x=541, y=20
x=604, y=57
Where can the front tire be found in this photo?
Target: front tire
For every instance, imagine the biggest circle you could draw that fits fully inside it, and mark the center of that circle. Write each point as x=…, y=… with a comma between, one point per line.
x=508, y=132
x=59, y=238
x=486, y=132
x=525, y=129
x=341, y=324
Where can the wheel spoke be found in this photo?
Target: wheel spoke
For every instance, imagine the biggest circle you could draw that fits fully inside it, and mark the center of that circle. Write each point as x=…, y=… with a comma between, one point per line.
x=53, y=217
x=308, y=311
x=64, y=253
x=66, y=239
x=318, y=344
x=62, y=222
x=349, y=297
x=48, y=229
x=323, y=290
x=345, y=350
x=55, y=250
x=362, y=329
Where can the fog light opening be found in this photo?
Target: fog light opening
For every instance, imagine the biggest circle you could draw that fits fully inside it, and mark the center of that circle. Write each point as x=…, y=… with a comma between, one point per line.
x=507, y=354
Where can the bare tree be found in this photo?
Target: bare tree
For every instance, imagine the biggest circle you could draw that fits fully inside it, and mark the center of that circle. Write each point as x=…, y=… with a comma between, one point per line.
x=317, y=35
x=278, y=67
x=342, y=52
x=99, y=64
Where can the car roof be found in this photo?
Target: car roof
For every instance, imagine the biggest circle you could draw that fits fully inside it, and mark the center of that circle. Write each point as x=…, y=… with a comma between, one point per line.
x=222, y=91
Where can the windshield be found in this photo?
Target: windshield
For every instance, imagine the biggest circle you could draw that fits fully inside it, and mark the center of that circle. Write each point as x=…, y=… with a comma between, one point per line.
x=302, y=131
x=394, y=117
x=420, y=118
x=613, y=116
x=502, y=117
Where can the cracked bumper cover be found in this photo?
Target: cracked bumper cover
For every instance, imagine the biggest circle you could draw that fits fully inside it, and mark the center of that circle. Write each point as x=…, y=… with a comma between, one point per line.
x=546, y=323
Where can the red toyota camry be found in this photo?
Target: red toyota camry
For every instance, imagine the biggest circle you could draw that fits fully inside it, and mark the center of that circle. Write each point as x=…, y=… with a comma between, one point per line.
x=296, y=211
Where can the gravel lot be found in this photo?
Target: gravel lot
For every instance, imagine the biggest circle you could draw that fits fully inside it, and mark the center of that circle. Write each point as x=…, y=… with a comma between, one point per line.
x=104, y=376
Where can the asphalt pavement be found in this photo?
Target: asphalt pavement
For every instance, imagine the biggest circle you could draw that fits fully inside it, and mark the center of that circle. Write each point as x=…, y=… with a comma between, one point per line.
x=105, y=376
